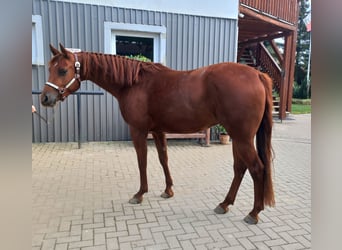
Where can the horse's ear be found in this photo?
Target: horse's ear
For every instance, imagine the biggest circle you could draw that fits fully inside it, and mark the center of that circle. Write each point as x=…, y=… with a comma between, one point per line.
x=54, y=51
x=64, y=51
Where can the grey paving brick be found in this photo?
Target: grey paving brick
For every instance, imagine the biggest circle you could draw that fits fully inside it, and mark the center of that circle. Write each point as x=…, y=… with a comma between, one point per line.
x=186, y=244
x=161, y=228
x=121, y=225
x=149, y=225
x=275, y=242
x=293, y=246
x=187, y=236
x=103, y=247
x=64, y=226
x=99, y=239
x=218, y=245
x=301, y=239
x=80, y=244
x=202, y=241
x=287, y=237
x=270, y=233
x=146, y=233
x=129, y=238
x=234, y=248
x=173, y=242
x=136, y=221
x=261, y=245
x=68, y=239
x=48, y=244
x=112, y=243
x=201, y=231
x=62, y=246
x=163, y=246
x=246, y=243
x=243, y=234
x=76, y=230
x=87, y=234
x=260, y=237
x=104, y=229
x=57, y=235
x=37, y=239
x=159, y=237
x=93, y=225
x=116, y=234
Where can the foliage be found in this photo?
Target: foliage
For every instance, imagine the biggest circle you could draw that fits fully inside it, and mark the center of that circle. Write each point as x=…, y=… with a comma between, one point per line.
x=221, y=130
x=139, y=57
x=303, y=44
x=300, y=91
x=301, y=101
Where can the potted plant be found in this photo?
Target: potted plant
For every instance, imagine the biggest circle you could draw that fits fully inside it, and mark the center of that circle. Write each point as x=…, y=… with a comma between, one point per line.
x=223, y=135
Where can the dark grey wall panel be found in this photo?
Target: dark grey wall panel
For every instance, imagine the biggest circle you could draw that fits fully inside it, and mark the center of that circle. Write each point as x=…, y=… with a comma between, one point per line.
x=191, y=42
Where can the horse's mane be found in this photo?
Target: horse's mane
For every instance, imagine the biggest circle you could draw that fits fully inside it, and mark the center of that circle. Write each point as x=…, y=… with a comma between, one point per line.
x=118, y=69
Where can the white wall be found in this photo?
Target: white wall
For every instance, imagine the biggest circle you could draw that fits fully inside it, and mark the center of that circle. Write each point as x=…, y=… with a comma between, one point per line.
x=212, y=8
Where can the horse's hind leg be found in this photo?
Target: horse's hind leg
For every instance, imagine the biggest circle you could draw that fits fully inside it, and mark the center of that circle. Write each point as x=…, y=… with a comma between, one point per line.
x=239, y=171
x=161, y=144
x=256, y=169
x=245, y=152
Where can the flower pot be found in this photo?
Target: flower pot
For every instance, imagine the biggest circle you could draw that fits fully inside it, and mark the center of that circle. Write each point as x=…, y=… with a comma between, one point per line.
x=224, y=139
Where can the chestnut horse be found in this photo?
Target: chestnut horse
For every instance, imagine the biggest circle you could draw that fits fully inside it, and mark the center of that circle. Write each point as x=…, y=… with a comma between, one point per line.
x=157, y=99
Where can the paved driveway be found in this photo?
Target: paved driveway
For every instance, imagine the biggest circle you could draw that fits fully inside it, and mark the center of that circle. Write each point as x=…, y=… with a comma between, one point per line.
x=80, y=196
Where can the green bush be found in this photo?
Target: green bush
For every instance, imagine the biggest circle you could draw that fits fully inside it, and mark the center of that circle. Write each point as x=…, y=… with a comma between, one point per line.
x=139, y=57
x=300, y=91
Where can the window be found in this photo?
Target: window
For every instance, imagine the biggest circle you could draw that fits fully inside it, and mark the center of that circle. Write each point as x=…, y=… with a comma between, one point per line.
x=134, y=46
x=136, y=39
x=37, y=41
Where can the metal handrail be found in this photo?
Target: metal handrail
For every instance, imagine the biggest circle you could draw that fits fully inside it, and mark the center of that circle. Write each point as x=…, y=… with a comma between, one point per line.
x=78, y=94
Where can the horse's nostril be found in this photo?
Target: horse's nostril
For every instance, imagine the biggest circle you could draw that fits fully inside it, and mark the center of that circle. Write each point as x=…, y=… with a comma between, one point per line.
x=44, y=99
x=48, y=99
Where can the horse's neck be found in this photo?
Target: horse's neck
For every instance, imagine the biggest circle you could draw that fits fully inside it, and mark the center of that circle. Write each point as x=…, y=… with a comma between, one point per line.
x=108, y=72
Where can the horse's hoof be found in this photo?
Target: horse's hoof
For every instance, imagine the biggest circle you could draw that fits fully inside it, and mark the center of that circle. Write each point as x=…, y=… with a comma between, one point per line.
x=250, y=220
x=220, y=210
x=165, y=195
x=135, y=200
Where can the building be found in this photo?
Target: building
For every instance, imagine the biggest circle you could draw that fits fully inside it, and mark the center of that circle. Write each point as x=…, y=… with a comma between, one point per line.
x=182, y=35
x=261, y=24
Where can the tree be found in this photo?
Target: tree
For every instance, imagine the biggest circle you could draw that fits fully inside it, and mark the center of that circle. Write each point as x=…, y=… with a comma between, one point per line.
x=302, y=51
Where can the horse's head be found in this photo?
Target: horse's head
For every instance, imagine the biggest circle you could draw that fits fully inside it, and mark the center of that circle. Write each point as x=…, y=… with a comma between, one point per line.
x=64, y=78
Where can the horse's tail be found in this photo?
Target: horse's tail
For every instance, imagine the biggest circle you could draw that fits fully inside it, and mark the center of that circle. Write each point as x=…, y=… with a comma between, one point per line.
x=263, y=141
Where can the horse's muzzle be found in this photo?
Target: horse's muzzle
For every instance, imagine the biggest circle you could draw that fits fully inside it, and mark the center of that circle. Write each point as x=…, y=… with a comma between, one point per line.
x=48, y=99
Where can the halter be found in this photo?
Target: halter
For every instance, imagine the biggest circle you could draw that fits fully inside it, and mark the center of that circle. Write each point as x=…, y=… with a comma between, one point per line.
x=77, y=77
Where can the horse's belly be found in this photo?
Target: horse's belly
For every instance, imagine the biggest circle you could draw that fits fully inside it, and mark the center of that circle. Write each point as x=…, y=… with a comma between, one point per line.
x=183, y=123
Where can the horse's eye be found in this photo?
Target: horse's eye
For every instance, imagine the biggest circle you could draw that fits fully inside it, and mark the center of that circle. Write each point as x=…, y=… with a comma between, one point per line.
x=62, y=72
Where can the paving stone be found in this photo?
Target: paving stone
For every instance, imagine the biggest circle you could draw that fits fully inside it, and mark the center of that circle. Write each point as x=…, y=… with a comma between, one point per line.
x=80, y=244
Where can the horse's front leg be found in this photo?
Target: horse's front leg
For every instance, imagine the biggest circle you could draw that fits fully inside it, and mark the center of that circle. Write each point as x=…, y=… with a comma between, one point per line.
x=161, y=144
x=140, y=144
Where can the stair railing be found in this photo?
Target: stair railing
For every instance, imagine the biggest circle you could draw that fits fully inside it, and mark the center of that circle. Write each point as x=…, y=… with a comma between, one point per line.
x=269, y=65
x=284, y=10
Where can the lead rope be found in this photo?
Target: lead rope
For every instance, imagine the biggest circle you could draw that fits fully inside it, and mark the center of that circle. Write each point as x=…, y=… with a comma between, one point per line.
x=48, y=122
